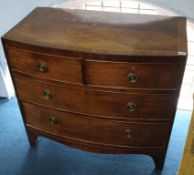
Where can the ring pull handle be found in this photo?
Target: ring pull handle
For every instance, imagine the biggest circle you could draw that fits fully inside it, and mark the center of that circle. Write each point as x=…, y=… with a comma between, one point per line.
x=131, y=106
x=47, y=95
x=52, y=120
x=132, y=77
x=42, y=67
x=129, y=133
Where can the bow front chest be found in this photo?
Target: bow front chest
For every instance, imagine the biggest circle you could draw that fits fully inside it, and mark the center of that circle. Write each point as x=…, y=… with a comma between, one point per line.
x=99, y=81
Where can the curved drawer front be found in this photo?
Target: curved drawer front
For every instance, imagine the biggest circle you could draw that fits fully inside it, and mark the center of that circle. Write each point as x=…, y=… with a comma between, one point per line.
x=87, y=128
x=91, y=102
x=131, y=75
x=58, y=68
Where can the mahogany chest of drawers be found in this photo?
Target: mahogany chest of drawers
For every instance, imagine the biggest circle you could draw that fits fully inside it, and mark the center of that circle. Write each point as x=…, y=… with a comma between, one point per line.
x=99, y=81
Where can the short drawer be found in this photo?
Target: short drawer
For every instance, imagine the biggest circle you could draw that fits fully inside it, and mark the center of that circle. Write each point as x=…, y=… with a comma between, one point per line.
x=52, y=67
x=132, y=75
x=95, y=102
x=95, y=130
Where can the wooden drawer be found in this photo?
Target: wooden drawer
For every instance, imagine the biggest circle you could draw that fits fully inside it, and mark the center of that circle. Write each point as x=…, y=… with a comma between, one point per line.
x=133, y=75
x=52, y=67
x=82, y=127
x=103, y=103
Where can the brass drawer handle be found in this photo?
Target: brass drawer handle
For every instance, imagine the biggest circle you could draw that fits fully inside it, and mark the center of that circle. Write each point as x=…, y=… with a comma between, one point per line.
x=131, y=107
x=52, y=120
x=129, y=133
x=47, y=95
x=42, y=67
x=132, y=77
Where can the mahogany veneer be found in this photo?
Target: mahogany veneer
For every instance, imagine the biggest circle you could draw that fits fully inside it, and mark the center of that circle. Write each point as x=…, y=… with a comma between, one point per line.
x=98, y=81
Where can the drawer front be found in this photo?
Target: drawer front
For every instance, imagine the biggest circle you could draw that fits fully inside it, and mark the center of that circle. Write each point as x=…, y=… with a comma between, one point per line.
x=96, y=130
x=131, y=75
x=45, y=66
x=103, y=103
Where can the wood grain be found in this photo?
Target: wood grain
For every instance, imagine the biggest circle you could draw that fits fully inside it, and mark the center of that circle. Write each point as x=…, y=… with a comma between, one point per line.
x=111, y=132
x=115, y=74
x=89, y=56
x=95, y=32
x=99, y=103
x=60, y=68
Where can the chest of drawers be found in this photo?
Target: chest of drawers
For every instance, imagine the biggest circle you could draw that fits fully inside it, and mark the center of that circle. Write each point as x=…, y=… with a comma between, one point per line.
x=98, y=81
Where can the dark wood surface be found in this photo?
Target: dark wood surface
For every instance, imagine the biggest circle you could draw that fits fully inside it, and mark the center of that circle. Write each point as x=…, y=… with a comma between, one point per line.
x=150, y=75
x=65, y=69
x=101, y=32
x=111, y=132
x=97, y=103
x=88, y=57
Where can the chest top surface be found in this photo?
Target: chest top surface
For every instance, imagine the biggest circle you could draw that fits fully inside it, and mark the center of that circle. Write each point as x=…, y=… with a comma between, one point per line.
x=101, y=32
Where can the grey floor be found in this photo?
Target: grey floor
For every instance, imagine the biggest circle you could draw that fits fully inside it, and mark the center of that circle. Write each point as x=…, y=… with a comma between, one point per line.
x=52, y=158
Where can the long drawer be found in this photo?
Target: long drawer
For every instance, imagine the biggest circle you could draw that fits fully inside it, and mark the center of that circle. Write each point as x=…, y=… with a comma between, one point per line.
x=133, y=75
x=60, y=68
x=86, y=128
x=95, y=102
